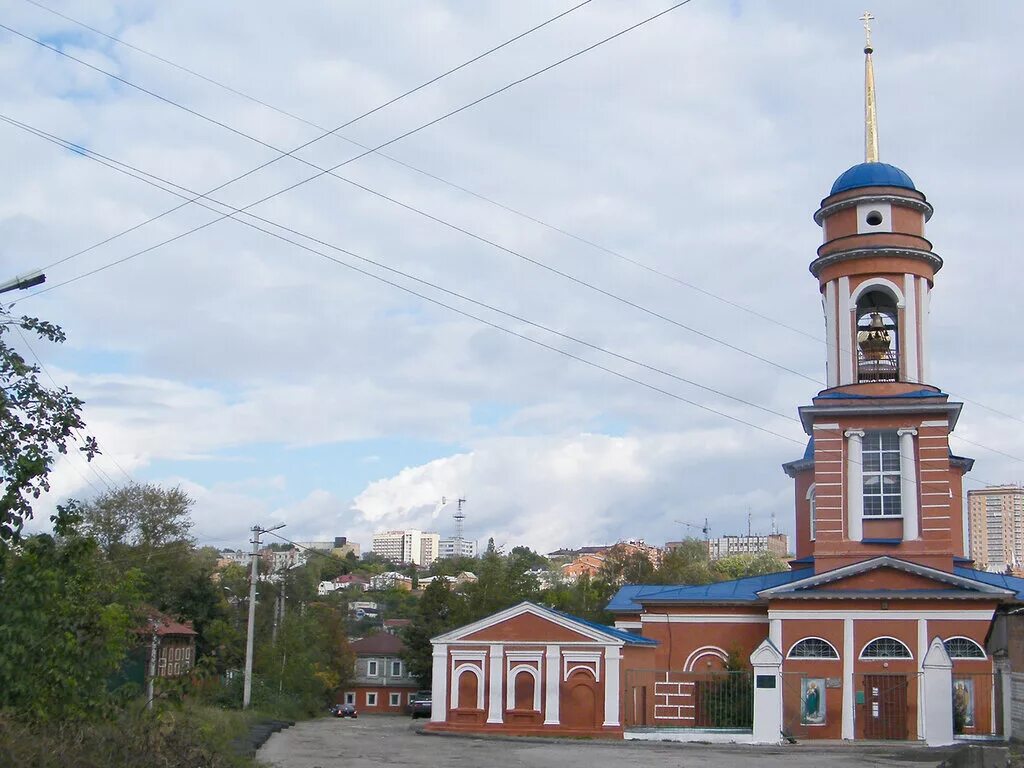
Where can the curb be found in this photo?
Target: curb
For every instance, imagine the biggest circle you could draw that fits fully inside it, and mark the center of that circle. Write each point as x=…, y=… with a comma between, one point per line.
x=259, y=732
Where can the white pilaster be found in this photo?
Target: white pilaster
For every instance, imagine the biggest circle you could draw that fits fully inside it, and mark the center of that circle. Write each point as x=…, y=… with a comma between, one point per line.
x=855, y=484
x=1002, y=668
x=775, y=632
x=847, y=342
x=922, y=649
x=848, y=692
x=552, y=684
x=908, y=484
x=612, y=659
x=910, y=321
x=495, y=683
x=439, y=683
x=831, y=336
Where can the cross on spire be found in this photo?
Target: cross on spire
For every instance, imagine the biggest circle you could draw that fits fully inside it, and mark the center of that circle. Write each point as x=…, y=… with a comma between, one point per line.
x=867, y=18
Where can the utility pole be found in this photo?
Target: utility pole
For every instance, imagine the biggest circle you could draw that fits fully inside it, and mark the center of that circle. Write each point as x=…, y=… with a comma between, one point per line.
x=154, y=646
x=257, y=531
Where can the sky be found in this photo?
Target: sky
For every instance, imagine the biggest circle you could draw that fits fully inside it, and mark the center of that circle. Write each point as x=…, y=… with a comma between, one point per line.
x=651, y=197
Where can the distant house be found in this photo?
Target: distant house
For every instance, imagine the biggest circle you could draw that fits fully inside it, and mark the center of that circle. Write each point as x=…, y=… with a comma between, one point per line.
x=391, y=580
x=382, y=683
x=394, y=626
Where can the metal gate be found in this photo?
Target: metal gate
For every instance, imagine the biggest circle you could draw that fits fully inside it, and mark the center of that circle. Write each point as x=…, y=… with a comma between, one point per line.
x=884, y=710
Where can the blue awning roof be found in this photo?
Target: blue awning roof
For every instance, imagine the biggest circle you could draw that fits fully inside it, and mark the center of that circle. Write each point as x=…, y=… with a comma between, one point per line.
x=993, y=579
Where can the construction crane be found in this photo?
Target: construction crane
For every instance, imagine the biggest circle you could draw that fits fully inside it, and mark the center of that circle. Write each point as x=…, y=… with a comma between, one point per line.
x=704, y=529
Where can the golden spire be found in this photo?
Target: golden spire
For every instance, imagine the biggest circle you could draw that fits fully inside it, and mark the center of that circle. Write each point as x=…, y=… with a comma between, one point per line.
x=870, y=117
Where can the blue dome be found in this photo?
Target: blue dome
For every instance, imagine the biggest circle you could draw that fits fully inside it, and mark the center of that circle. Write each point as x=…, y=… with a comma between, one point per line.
x=872, y=175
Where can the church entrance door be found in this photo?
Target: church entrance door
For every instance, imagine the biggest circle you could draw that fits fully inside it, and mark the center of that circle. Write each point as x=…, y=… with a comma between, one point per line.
x=885, y=707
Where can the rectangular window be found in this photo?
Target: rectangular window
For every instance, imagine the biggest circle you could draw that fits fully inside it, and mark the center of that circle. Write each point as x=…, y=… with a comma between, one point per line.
x=371, y=699
x=350, y=697
x=412, y=698
x=395, y=699
x=371, y=668
x=881, y=466
x=396, y=669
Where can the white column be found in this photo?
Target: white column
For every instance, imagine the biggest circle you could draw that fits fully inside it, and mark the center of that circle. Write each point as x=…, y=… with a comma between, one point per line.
x=938, y=695
x=552, y=684
x=925, y=311
x=775, y=632
x=854, y=484
x=767, y=663
x=439, y=683
x=832, y=344
x=848, y=692
x=922, y=649
x=612, y=657
x=908, y=484
x=495, y=684
x=847, y=341
x=909, y=332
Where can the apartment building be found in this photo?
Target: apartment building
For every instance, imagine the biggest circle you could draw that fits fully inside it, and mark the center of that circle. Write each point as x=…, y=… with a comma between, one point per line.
x=407, y=546
x=996, y=527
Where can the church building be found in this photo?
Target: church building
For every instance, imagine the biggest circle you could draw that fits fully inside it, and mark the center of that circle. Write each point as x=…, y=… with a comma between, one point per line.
x=881, y=629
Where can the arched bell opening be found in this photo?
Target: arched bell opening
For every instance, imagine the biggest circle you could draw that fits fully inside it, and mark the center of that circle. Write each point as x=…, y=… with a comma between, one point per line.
x=877, y=337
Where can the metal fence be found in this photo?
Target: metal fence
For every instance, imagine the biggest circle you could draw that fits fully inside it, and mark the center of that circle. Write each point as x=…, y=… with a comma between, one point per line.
x=977, y=704
x=706, y=700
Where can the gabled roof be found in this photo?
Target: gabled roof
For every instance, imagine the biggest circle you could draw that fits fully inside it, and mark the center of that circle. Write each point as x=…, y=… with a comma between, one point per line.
x=804, y=587
x=631, y=599
x=599, y=633
x=380, y=643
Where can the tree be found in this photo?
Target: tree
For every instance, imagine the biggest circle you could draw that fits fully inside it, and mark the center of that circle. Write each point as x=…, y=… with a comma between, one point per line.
x=754, y=564
x=142, y=516
x=687, y=563
x=439, y=610
x=36, y=423
x=65, y=624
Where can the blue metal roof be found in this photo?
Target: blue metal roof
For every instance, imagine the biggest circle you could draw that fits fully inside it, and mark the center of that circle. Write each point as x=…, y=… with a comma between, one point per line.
x=993, y=579
x=854, y=396
x=628, y=637
x=872, y=175
x=629, y=598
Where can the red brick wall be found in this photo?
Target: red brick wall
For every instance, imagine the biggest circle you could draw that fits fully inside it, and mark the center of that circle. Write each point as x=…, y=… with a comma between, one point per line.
x=383, y=706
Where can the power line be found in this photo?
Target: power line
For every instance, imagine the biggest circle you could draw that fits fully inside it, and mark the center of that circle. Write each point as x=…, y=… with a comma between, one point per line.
x=89, y=155
x=466, y=190
x=141, y=176
x=428, y=174
x=290, y=153
x=107, y=480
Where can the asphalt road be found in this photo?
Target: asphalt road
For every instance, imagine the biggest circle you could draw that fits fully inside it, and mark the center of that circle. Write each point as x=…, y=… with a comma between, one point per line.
x=393, y=741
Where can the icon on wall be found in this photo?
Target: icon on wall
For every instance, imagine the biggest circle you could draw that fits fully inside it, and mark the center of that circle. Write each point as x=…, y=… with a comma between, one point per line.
x=812, y=694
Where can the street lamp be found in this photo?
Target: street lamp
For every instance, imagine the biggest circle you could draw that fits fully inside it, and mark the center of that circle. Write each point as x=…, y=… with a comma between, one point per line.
x=23, y=282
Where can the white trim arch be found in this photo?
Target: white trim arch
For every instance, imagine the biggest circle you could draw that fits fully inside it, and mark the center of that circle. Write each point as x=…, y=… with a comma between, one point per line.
x=878, y=282
x=871, y=642
x=975, y=643
x=700, y=653
x=510, y=686
x=457, y=674
x=789, y=654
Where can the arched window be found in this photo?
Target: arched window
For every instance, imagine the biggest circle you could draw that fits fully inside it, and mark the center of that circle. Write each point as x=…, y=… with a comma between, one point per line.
x=812, y=508
x=813, y=648
x=885, y=648
x=877, y=336
x=963, y=648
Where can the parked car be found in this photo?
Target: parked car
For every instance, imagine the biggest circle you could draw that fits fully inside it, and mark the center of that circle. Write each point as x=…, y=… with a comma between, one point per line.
x=344, y=710
x=420, y=704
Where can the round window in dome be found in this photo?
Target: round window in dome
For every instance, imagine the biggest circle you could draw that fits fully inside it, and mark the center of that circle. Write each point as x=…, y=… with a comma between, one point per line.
x=874, y=218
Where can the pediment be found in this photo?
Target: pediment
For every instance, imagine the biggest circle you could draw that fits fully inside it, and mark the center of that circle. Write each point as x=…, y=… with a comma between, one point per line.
x=886, y=576
x=527, y=622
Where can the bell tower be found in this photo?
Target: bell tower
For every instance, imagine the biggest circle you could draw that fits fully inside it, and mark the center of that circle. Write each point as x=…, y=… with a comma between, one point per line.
x=878, y=477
